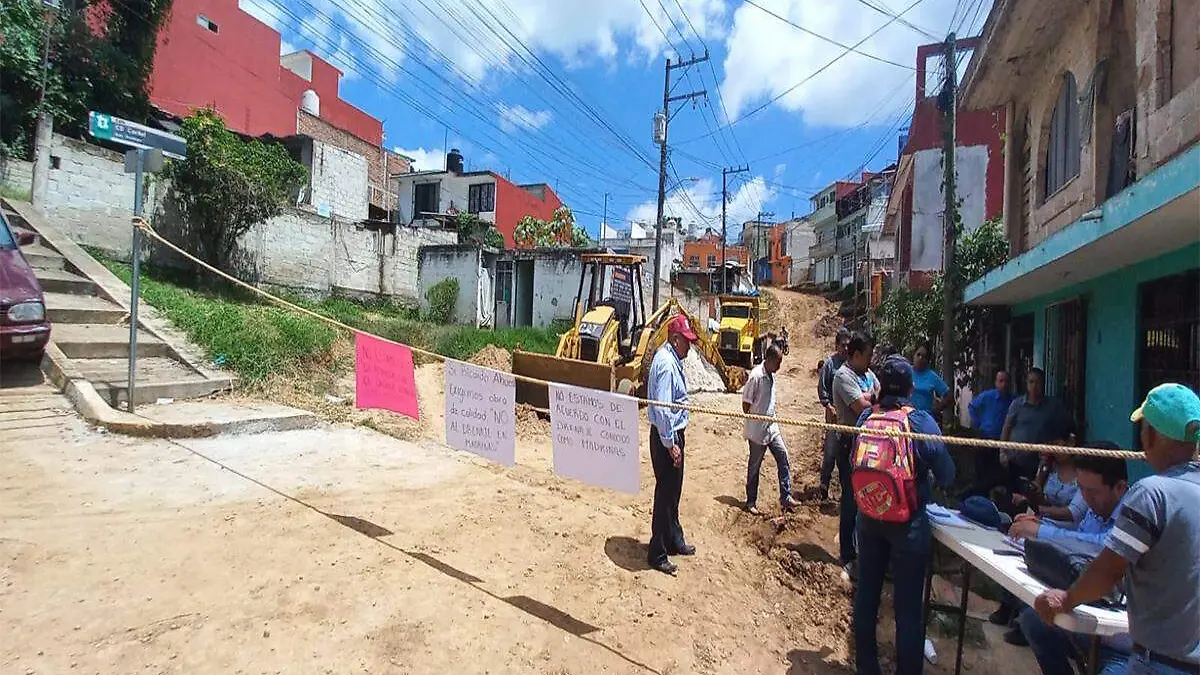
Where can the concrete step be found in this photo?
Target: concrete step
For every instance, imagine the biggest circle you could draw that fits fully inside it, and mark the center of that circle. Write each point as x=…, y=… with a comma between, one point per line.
x=157, y=377
x=42, y=258
x=64, y=308
x=103, y=341
x=62, y=281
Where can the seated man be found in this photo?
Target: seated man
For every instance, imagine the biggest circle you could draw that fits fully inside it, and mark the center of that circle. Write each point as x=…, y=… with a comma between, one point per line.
x=1103, y=482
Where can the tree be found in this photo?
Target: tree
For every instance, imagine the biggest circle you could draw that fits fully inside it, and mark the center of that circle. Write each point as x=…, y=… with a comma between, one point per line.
x=474, y=230
x=227, y=185
x=560, y=230
x=101, y=58
x=908, y=317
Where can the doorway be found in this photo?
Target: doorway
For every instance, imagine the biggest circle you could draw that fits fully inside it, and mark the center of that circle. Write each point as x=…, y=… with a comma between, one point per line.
x=523, y=293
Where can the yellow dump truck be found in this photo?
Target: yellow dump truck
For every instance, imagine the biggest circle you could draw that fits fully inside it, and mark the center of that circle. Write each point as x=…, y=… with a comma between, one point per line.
x=612, y=341
x=738, y=338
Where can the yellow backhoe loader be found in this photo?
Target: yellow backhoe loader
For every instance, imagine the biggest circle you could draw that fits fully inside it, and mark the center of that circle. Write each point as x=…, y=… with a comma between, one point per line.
x=612, y=342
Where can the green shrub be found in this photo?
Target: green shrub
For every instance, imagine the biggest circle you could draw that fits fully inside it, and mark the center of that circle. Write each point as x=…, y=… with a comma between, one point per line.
x=442, y=298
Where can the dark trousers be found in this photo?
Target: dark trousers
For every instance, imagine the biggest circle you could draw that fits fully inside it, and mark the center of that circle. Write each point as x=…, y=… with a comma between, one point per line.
x=754, y=466
x=848, y=512
x=905, y=547
x=829, y=457
x=666, y=535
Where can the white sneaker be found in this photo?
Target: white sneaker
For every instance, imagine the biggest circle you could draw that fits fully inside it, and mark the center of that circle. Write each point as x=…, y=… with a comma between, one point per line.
x=930, y=652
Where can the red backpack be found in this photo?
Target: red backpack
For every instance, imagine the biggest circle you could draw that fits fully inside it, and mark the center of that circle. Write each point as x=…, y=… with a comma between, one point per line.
x=884, y=477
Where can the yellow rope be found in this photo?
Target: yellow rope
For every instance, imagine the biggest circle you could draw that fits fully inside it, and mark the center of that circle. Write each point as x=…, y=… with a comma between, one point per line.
x=842, y=428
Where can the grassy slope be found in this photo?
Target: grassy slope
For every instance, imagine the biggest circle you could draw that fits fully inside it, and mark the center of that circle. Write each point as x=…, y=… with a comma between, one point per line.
x=256, y=339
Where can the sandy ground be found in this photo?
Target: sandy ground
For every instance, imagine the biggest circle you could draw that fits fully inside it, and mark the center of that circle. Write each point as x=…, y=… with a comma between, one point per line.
x=344, y=550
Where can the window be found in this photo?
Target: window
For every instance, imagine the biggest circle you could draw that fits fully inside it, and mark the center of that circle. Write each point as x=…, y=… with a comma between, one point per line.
x=1062, y=146
x=206, y=23
x=481, y=198
x=1169, y=332
x=694, y=262
x=712, y=260
x=425, y=200
x=1065, y=355
x=847, y=265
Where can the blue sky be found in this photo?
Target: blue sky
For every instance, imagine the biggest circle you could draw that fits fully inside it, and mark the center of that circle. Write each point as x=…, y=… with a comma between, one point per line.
x=564, y=91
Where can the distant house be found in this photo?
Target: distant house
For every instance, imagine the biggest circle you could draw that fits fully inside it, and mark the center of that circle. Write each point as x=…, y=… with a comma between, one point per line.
x=212, y=54
x=429, y=197
x=1100, y=200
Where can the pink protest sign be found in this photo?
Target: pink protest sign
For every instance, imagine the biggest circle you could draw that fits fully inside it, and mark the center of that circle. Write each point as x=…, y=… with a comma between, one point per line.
x=383, y=376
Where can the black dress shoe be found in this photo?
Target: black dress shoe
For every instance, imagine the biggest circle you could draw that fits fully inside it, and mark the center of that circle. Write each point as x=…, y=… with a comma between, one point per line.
x=1002, y=616
x=1015, y=636
x=686, y=549
x=666, y=567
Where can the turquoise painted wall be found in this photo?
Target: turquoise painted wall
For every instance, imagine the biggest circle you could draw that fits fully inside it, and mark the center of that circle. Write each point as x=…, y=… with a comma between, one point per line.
x=1111, y=375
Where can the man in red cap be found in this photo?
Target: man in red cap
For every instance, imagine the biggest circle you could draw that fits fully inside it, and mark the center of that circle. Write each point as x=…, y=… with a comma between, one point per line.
x=666, y=384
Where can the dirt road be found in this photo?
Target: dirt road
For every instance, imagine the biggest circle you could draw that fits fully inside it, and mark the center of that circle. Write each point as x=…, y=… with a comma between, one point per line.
x=342, y=550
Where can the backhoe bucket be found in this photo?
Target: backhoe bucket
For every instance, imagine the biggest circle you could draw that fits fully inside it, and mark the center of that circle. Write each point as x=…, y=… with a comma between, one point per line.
x=554, y=369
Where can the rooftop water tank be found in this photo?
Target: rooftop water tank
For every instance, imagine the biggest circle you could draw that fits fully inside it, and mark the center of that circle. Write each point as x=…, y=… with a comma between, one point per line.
x=310, y=102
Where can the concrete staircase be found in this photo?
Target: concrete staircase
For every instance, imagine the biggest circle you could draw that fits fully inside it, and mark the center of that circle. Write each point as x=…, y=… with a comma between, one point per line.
x=87, y=308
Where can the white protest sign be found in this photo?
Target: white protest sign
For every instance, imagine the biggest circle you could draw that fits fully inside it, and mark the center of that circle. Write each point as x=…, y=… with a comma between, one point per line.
x=480, y=411
x=594, y=434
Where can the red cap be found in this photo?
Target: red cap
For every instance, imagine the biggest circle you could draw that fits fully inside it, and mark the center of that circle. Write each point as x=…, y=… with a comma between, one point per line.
x=679, y=326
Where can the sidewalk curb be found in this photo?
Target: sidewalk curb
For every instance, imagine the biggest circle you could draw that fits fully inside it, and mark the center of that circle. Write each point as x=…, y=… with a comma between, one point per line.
x=95, y=410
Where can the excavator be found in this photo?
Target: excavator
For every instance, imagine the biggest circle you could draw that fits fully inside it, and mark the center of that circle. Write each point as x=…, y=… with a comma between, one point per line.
x=612, y=341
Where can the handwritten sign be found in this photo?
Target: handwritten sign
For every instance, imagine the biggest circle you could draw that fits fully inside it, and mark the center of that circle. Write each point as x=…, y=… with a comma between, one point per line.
x=383, y=376
x=480, y=403
x=594, y=435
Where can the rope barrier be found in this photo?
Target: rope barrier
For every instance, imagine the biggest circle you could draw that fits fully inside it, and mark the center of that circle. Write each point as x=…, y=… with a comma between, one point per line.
x=718, y=412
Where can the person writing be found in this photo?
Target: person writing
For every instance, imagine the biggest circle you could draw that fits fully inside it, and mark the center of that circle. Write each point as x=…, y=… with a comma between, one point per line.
x=902, y=547
x=851, y=396
x=1154, y=544
x=758, y=398
x=667, y=425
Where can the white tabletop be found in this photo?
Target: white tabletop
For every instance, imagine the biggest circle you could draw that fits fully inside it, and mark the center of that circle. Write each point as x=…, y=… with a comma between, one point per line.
x=976, y=545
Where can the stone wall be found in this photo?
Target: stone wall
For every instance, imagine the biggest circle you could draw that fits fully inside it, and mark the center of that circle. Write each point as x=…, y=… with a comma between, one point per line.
x=16, y=175
x=339, y=181
x=380, y=162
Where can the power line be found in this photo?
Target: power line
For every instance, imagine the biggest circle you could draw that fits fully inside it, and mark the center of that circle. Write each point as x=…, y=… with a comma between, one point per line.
x=904, y=22
x=849, y=48
x=808, y=78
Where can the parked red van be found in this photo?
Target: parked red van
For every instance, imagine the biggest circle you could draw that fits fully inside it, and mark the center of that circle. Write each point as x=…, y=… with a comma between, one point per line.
x=24, y=330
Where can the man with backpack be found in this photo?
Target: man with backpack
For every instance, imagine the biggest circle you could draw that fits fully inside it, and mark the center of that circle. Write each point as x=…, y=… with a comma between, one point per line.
x=892, y=484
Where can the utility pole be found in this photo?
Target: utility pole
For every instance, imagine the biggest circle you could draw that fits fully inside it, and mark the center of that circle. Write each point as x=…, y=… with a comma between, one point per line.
x=44, y=132
x=662, y=120
x=949, y=101
x=725, y=200
x=604, y=217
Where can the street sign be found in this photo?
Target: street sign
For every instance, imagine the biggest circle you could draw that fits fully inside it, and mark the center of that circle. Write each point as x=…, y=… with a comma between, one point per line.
x=109, y=128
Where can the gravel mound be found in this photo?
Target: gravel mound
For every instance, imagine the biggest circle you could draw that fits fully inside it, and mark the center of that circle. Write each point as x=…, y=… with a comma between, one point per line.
x=700, y=374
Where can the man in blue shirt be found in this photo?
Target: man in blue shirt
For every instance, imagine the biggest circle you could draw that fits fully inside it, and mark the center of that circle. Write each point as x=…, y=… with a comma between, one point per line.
x=988, y=410
x=905, y=547
x=666, y=384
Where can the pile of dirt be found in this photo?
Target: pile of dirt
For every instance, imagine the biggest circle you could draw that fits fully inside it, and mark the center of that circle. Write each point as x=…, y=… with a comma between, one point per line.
x=496, y=358
x=700, y=374
x=530, y=423
x=827, y=326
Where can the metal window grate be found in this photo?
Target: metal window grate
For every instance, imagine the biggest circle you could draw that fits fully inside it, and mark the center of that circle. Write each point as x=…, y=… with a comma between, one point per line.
x=1169, y=332
x=1066, y=355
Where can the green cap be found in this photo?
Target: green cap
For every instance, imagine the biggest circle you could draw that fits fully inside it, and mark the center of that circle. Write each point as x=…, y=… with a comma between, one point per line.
x=1173, y=410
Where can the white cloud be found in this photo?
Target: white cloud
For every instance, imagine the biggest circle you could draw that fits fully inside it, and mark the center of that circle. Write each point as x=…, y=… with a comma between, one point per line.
x=424, y=160
x=704, y=196
x=766, y=57
x=518, y=117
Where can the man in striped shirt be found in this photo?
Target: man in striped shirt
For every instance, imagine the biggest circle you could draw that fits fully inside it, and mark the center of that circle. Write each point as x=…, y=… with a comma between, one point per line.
x=1156, y=541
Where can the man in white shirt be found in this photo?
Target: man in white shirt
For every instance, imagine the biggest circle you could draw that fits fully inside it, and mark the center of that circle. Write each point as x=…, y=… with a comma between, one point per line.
x=758, y=398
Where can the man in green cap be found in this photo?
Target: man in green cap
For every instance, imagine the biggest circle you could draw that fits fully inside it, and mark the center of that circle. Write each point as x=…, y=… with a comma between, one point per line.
x=1156, y=540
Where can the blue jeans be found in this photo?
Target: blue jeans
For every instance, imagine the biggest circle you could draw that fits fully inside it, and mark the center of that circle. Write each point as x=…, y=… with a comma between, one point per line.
x=829, y=457
x=1140, y=665
x=1055, y=648
x=905, y=546
x=848, y=514
x=757, y=453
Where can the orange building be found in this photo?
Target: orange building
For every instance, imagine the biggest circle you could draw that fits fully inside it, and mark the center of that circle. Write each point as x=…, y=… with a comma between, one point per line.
x=704, y=253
